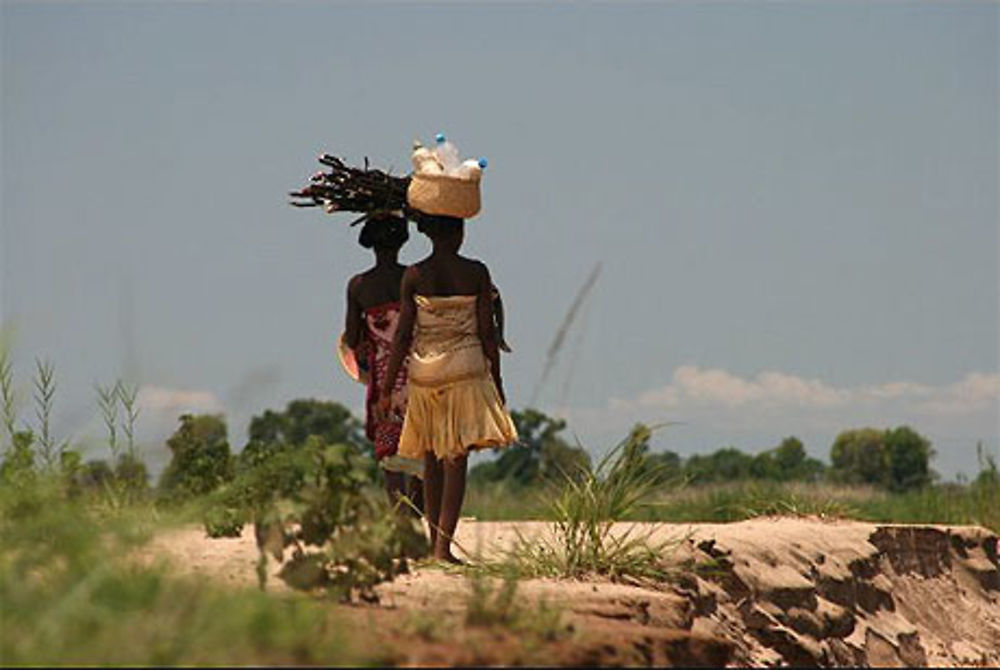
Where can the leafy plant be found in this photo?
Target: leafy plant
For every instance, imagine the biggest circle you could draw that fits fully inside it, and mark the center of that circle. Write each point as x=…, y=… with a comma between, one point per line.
x=317, y=501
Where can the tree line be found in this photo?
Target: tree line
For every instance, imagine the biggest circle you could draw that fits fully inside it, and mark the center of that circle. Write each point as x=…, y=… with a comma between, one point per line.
x=896, y=459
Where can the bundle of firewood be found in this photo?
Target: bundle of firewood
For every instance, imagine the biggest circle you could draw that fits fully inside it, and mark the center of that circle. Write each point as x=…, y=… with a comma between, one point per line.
x=343, y=188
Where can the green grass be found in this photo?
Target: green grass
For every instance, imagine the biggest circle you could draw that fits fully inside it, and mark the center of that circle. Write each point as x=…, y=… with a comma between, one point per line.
x=70, y=593
x=503, y=501
x=735, y=501
x=584, y=509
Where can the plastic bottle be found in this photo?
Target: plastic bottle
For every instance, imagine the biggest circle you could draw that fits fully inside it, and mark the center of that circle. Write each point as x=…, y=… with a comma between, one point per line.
x=470, y=169
x=447, y=154
x=425, y=161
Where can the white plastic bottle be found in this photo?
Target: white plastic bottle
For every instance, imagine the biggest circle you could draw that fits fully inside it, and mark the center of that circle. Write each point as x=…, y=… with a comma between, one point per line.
x=425, y=161
x=447, y=155
x=470, y=169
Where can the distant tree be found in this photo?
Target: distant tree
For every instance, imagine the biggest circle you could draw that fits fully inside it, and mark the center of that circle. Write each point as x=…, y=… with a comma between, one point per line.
x=786, y=462
x=131, y=474
x=722, y=465
x=858, y=456
x=200, y=459
x=273, y=431
x=95, y=475
x=989, y=475
x=541, y=455
x=909, y=456
x=896, y=459
x=19, y=459
x=668, y=465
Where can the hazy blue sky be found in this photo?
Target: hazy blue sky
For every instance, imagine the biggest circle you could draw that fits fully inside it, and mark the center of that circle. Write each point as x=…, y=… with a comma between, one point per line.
x=795, y=204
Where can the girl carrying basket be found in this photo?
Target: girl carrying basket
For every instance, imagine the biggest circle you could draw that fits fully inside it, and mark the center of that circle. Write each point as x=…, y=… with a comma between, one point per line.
x=455, y=392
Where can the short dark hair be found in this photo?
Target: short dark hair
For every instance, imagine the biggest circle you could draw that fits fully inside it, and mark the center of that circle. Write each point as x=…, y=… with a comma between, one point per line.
x=435, y=225
x=384, y=231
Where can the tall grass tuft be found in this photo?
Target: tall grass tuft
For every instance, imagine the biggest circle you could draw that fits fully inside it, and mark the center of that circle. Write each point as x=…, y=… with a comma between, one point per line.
x=45, y=391
x=8, y=401
x=107, y=402
x=494, y=602
x=127, y=395
x=583, y=540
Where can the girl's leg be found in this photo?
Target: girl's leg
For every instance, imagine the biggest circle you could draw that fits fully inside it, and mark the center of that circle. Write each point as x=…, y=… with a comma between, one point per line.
x=393, y=485
x=451, y=506
x=432, y=495
x=415, y=492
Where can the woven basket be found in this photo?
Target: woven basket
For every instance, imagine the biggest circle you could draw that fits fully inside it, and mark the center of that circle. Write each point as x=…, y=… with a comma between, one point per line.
x=443, y=195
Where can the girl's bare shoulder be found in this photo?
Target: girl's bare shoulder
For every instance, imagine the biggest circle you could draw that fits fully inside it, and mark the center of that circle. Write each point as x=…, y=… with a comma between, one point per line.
x=473, y=264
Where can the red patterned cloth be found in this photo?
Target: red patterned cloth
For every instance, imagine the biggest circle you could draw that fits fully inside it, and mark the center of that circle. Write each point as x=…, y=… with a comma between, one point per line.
x=380, y=329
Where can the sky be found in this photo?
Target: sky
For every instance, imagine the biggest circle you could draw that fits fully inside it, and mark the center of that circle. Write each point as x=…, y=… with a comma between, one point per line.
x=794, y=206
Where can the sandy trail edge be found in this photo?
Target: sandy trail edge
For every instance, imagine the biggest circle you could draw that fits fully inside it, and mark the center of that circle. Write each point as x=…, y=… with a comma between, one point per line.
x=781, y=590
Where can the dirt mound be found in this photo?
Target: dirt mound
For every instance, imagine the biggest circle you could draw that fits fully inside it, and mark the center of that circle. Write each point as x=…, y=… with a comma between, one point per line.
x=766, y=591
x=846, y=593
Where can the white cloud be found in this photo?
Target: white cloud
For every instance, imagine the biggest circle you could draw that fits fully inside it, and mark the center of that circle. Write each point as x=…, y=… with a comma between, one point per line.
x=167, y=400
x=695, y=387
x=713, y=407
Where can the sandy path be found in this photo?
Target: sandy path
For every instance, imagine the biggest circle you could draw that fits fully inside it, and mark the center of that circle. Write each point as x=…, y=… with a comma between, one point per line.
x=785, y=590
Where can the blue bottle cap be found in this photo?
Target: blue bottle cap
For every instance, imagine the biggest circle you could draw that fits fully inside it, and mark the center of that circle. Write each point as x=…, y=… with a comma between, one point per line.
x=483, y=163
x=439, y=138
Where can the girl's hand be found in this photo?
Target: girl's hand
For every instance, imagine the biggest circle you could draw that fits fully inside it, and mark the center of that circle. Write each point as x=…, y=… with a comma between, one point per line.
x=382, y=407
x=363, y=349
x=499, y=384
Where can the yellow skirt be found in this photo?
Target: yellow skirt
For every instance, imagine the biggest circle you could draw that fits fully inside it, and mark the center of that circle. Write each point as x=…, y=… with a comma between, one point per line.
x=450, y=419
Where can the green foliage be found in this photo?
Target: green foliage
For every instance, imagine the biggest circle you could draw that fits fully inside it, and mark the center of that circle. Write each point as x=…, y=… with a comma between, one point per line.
x=68, y=596
x=131, y=475
x=19, y=459
x=272, y=431
x=94, y=475
x=346, y=539
x=583, y=540
x=722, y=465
x=989, y=475
x=8, y=401
x=668, y=466
x=786, y=462
x=897, y=459
x=541, y=455
x=909, y=456
x=493, y=602
x=319, y=499
x=200, y=460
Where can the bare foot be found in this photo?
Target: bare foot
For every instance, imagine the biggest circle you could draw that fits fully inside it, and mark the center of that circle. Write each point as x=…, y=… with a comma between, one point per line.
x=448, y=557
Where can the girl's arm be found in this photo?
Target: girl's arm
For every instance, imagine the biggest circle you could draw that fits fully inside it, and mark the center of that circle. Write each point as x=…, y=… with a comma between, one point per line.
x=487, y=329
x=498, y=317
x=353, y=320
x=404, y=335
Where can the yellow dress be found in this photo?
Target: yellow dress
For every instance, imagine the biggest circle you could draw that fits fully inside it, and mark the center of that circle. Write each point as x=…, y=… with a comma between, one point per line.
x=452, y=403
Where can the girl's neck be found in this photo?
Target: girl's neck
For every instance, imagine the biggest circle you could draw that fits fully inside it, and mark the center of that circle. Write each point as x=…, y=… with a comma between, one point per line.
x=445, y=249
x=386, y=258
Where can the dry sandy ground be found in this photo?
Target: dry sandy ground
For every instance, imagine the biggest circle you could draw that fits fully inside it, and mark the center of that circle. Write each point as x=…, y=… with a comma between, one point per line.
x=770, y=591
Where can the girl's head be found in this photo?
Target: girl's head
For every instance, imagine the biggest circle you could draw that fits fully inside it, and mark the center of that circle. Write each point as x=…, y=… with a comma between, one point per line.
x=384, y=232
x=441, y=229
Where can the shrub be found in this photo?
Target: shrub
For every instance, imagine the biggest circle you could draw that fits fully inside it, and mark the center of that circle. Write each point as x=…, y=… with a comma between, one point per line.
x=200, y=460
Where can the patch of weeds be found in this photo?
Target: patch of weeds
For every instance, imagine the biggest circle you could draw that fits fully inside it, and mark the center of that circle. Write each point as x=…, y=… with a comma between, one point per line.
x=493, y=602
x=776, y=501
x=430, y=627
x=583, y=540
